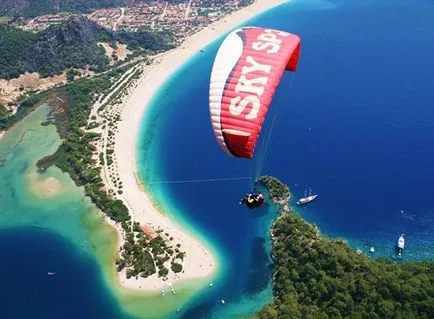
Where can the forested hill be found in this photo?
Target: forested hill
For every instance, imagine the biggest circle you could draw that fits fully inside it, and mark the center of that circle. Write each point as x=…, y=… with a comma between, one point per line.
x=71, y=44
x=33, y=8
x=317, y=277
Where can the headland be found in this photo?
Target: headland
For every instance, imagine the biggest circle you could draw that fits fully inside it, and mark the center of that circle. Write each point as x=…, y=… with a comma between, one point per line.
x=323, y=276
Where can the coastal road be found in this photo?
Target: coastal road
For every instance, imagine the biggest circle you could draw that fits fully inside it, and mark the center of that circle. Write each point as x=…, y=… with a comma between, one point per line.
x=119, y=19
x=94, y=112
x=102, y=100
x=115, y=88
x=164, y=12
x=187, y=12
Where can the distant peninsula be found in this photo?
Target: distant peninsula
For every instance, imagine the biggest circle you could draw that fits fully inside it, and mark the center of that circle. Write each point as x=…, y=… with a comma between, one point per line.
x=319, y=277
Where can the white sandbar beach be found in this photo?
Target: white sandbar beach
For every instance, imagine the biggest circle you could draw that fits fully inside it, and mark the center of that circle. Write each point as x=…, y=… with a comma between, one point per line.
x=199, y=262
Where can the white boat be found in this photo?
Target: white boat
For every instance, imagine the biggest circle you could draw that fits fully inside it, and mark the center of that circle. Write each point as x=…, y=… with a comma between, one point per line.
x=401, y=244
x=372, y=250
x=307, y=198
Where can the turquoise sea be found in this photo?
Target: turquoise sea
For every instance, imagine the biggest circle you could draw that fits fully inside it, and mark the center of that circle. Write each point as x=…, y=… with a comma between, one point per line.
x=48, y=226
x=355, y=125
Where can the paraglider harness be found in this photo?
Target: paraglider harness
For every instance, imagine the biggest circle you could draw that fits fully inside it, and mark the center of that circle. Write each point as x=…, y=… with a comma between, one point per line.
x=253, y=200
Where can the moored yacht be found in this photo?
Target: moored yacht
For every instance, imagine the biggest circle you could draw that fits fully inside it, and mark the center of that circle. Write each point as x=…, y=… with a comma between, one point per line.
x=401, y=244
x=307, y=198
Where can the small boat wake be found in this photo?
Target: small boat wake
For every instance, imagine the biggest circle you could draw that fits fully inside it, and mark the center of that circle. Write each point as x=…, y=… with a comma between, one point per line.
x=408, y=216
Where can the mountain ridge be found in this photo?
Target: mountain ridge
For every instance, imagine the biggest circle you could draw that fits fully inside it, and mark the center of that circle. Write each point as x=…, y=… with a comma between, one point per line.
x=72, y=44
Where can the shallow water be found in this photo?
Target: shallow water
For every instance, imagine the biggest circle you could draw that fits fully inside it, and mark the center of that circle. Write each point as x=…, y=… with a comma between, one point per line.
x=47, y=225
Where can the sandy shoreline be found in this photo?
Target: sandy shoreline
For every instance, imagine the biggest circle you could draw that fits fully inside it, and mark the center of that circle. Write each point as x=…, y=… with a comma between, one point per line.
x=199, y=261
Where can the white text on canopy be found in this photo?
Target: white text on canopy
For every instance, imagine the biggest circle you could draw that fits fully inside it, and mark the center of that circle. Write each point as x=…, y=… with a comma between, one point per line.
x=254, y=86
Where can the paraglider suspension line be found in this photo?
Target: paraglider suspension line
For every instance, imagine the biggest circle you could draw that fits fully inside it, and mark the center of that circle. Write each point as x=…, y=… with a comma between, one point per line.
x=200, y=180
x=263, y=152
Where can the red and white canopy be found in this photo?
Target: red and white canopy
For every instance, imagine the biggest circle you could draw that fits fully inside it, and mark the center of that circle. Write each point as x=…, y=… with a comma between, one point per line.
x=246, y=72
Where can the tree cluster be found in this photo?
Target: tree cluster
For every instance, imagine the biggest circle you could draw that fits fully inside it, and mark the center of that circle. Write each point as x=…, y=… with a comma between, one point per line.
x=142, y=256
x=278, y=191
x=136, y=256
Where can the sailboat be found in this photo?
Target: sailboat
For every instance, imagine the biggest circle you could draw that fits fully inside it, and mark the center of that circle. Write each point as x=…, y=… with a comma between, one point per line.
x=401, y=244
x=307, y=197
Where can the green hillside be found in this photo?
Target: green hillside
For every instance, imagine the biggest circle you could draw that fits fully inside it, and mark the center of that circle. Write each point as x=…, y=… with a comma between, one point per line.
x=318, y=277
x=71, y=44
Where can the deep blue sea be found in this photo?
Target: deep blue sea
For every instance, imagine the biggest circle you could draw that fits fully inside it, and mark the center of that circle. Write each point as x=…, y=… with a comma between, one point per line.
x=355, y=126
x=75, y=290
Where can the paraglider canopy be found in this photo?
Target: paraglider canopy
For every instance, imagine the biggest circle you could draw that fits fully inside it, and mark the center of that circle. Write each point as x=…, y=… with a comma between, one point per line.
x=246, y=72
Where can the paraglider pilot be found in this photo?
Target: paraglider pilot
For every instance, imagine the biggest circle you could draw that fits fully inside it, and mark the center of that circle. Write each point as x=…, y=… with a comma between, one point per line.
x=253, y=200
